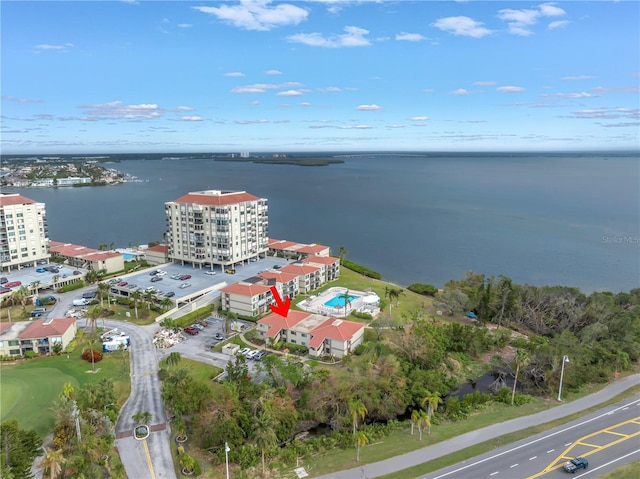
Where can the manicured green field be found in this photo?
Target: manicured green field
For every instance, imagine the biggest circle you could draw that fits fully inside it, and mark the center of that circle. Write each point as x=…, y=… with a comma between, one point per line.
x=28, y=389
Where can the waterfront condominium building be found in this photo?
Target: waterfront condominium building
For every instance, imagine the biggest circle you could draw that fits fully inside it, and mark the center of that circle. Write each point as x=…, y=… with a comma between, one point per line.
x=23, y=231
x=215, y=227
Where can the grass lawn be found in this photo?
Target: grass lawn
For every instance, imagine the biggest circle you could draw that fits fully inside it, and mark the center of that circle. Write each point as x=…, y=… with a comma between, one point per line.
x=29, y=387
x=409, y=302
x=630, y=471
x=402, y=442
x=200, y=371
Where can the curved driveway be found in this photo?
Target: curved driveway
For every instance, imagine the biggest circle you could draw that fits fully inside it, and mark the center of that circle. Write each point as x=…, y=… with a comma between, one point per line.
x=472, y=438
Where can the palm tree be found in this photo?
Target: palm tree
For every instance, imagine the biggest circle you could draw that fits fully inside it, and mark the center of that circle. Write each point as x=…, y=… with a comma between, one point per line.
x=35, y=285
x=415, y=415
x=433, y=400
x=22, y=296
x=149, y=296
x=135, y=297
x=345, y=298
x=264, y=435
x=139, y=417
x=388, y=293
x=166, y=304
x=173, y=359
x=357, y=409
x=146, y=417
x=53, y=462
x=342, y=252
x=361, y=440
x=188, y=462
x=92, y=342
x=522, y=358
x=423, y=421
x=93, y=314
x=103, y=289
x=67, y=391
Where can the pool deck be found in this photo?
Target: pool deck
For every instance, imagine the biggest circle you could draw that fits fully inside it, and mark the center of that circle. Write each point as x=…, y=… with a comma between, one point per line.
x=316, y=303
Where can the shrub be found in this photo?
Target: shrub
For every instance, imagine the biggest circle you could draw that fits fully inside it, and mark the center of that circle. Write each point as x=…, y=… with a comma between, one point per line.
x=71, y=286
x=97, y=356
x=359, y=349
x=30, y=354
x=360, y=315
x=360, y=269
x=424, y=289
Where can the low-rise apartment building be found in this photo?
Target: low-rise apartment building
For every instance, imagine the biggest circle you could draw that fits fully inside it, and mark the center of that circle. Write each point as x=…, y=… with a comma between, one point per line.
x=158, y=254
x=323, y=336
x=309, y=275
x=247, y=299
x=293, y=250
x=38, y=336
x=87, y=258
x=329, y=266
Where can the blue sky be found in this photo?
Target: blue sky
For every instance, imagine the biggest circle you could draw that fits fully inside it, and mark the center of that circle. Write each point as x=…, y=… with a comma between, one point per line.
x=286, y=76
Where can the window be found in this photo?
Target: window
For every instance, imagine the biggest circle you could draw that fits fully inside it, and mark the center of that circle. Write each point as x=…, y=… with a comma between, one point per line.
x=14, y=342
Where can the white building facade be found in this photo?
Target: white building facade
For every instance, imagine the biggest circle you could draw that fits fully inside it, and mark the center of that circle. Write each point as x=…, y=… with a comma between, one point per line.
x=214, y=227
x=23, y=231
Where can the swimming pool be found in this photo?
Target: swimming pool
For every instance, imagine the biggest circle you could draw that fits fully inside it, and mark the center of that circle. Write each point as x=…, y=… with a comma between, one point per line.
x=338, y=300
x=128, y=256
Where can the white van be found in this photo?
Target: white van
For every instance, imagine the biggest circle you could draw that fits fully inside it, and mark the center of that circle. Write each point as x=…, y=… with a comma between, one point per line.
x=81, y=302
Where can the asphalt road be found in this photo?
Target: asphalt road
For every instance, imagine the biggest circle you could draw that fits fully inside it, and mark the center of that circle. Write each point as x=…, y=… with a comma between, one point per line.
x=543, y=455
x=458, y=443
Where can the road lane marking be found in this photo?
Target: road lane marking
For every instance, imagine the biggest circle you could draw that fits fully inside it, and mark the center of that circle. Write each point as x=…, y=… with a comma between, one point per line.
x=567, y=444
x=558, y=462
x=515, y=465
x=494, y=473
x=550, y=451
x=508, y=451
x=532, y=458
x=610, y=462
x=626, y=408
x=146, y=451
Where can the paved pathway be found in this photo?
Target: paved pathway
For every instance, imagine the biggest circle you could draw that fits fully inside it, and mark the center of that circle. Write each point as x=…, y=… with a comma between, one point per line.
x=458, y=443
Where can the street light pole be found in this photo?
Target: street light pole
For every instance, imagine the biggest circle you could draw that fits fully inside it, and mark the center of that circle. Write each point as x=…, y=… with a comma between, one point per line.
x=565, y=359
x=226, y=457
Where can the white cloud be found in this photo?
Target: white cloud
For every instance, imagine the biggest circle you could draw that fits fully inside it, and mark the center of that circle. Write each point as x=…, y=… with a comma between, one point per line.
x=19, y=100
x=396, y=126
x=234, y=74
x=185, y=108
x=355, y=127
x=273, y=72
x=257, y=15
x=250, y=122
x=418, y=118
x=254, y=103
x=577, y=77
x=304, y=104
x=263, y=87
x=289, y=93
x=484, y=83
x=330, y=89
x=464, y=26
x=116, y=110
x=354, y=37
x=520, y=21
x=410, y=37
x=368, y=108
x=190, y=118
x=510, y=89
x=45, y=46
x=185, y=25
x=460, y=92
x=624, y=89
x=576, y=95
x=558, y=24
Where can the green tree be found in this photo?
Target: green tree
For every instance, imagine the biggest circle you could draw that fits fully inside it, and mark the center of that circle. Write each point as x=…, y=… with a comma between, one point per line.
x=18, y=449
x=264, y=435
x=188, y=462
x=342, y=252
x=103, y=290
x=53, y=462
x=345, y=297
x=68, y=391
x=423, y=422
x=135, y=297
x=93, y=314
x=415, y=415
x=361, y=440
x=173, y=359
x=521, y=360
x=433, y=400
x=166, y=304
x=357, y=409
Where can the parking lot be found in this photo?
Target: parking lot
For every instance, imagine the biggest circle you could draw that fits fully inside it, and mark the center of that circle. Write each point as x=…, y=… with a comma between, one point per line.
x=44, y=278
x=197, y=280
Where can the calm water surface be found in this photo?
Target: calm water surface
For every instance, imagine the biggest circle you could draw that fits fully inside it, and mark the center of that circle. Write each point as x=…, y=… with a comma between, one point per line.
x=546, y=219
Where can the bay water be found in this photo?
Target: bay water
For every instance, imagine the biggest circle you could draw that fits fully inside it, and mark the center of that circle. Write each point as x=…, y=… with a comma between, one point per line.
x=542, y=219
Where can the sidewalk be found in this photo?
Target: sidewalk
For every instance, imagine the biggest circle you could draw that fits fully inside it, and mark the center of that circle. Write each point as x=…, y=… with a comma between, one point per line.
x=472, y=438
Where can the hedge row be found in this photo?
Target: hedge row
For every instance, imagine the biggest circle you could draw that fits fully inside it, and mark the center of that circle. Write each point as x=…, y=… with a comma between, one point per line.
x=360, y=269
x=425, y=289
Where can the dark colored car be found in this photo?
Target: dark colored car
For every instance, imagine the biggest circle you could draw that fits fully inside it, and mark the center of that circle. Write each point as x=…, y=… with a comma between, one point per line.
x=191, y=330
x=3, y=280
x=576, y=464
x=170, y=294
x=89, y=295
x=156, y=278
x=218, y=337
x=185, y=277
x=76, y=272
x=13, y=284
x=5, y=290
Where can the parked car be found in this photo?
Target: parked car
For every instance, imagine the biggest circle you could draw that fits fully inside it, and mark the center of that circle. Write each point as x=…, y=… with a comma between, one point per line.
x=176, y=276
x=13, y=284
x=198, y=326
x=159, y=272
x=89, y=295
x=123, y=284
x=210, y=273
x=42, y=261
x=4, y=290
x=76, y=272
x=191, y=330
x=260, y=355
x=576, y=464
x=41, y=270
x=3, y=280
x=252, y=354
x=114, y=281
x=156, y=278
x=133, y=286
x=185, y=285
x=150, y=289
x=230, y=271
x=243, y=351
x=185, y=277
x=218, y=336
x=170, y=294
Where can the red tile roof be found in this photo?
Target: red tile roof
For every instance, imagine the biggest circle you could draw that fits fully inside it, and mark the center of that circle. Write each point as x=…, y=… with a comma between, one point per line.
x=76, y=251
x=5, y=325
x=9, y=199
x=56, y=327
x=321, y=260
x=281, y=244
x=313, y=248
x=337, y=329
x=279, y=276
x=277, y=323
x=299, y=269
x=246, y=289
x=224, y=198
x=160, y=248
